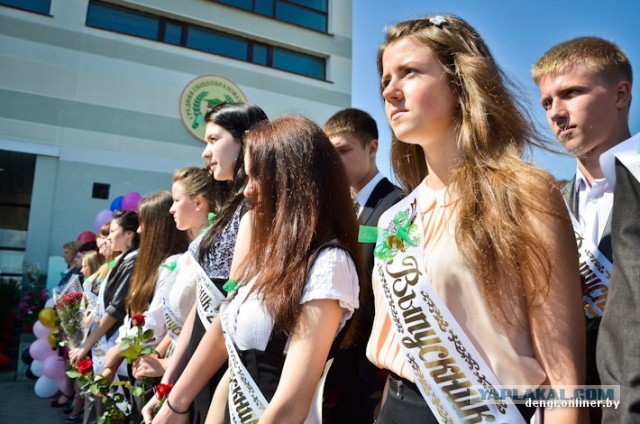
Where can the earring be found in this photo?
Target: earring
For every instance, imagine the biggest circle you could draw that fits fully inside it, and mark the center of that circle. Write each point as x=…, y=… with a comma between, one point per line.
x=197, y=208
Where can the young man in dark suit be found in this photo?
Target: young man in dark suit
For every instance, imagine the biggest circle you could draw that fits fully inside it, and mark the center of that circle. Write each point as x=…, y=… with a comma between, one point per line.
x=354, y=134
x=585, y=88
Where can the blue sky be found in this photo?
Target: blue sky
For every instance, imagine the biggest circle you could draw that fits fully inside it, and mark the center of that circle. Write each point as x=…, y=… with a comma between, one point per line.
x=518, y=33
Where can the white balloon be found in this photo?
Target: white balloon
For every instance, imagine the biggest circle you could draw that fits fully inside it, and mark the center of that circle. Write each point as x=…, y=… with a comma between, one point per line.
x=37, y=367
x=46, y=387
x=50, y=303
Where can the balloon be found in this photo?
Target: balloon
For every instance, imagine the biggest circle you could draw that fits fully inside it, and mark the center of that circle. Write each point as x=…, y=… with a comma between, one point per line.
x=131, y=201
x=116, y=205
x=36, y=368
x=53, y=339
x=45, y=387
x=86, y=236
x=50, y=303
x=30, y=375
x=40, y=350
x=53, y=367
x=48, y=317
x=102, y=218
x=40, y=331
x=62, y=383
x=26, y=357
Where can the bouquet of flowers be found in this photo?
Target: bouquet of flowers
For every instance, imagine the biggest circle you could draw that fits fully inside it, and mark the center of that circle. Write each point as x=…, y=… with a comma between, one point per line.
x=69, y=308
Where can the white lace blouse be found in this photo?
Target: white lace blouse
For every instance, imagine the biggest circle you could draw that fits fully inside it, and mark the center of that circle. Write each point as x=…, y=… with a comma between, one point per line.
x=332, y=276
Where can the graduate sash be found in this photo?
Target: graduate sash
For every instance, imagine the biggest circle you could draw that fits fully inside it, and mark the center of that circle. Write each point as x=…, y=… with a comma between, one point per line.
x=246, y=401
x=208, y=296
x=444, y=363
x=595, y=273
x=185, y=274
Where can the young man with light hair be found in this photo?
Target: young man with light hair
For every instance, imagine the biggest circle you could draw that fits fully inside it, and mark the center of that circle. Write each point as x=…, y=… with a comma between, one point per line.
x=585, y=88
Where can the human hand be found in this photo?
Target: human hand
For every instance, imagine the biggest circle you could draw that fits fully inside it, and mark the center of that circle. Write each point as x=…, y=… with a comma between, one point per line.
x=77, y=354
x=148, y=366
x=166, y=416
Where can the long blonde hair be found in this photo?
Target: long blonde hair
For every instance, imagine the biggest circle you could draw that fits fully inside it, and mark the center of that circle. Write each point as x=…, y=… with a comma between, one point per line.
x=495, y=187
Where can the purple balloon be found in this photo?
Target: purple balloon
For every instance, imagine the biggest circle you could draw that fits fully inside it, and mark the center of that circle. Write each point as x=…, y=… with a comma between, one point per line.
x=53, y=368
x=131, y=201
x=41, y=350
x=40, y=331
x=102, y=218
x=62, y=384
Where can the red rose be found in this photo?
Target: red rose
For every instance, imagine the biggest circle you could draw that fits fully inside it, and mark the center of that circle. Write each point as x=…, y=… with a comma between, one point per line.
x=138, y=320
x=162, y=390
x=85, y=366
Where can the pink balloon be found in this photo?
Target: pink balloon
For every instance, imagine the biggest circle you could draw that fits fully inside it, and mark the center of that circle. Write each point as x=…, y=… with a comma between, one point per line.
x=53, y=367
x=102, y=218
x=41, y=350
x=40, y=331
x=131, y=201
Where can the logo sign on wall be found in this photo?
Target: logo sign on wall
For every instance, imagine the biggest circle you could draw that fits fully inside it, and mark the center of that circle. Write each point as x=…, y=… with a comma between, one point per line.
x=202, y=91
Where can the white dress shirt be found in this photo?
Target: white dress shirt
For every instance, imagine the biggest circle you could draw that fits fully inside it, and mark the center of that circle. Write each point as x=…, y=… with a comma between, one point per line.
x=594, y=206
x=365, y=193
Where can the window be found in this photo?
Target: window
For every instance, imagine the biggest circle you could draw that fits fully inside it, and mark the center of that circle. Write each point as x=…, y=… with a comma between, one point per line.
x=298, y=63
x=38, y=6
x=311, y=14
x=125, y=21
x=132, y=22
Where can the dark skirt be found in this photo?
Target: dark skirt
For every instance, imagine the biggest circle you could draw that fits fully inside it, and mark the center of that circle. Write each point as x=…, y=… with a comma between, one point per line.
x=405, y=404
x=200, y=406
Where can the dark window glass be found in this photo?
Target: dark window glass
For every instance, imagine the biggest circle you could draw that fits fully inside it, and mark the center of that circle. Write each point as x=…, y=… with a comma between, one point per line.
x=300, y=16
x=264, y=7
x=173, y=33
x=260, y=54
x=38, y=6
x=218, y=43
x=298, y=63
x=320, y=5
x=242, y=4
x=122, y=20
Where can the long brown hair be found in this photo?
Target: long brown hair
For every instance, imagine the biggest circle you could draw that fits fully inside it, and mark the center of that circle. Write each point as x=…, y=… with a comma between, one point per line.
x=304, y=202
x=237, y=118
x=497, y=190
x=160, y=239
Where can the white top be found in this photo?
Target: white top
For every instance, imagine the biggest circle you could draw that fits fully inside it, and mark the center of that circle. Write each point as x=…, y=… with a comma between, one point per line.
x=594, y=206
x=332, y=276
x=180, y=298
x=154, y=315
x=365, y=193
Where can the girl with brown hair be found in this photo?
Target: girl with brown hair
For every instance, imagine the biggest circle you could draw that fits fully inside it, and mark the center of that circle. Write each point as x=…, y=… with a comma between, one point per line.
x=481, y=254
x=212, y=251
x=296, y=262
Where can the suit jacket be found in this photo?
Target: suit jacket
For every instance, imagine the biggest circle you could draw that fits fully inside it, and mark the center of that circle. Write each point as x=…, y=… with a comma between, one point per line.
x=353, y=380
x=618, y=350
x=570, y=195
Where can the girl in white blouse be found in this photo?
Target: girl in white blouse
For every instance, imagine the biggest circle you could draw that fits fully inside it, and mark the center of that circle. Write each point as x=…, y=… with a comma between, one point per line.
x=295, y=258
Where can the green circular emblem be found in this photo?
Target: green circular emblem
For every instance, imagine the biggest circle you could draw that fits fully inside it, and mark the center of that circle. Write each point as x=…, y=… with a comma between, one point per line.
x=202, y=91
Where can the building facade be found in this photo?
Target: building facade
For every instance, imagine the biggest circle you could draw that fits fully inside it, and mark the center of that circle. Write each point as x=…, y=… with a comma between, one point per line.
x=91, y=93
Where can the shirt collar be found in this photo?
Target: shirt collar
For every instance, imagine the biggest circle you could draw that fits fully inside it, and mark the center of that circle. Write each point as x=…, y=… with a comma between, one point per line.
x=365, y=193
x=600, y=185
